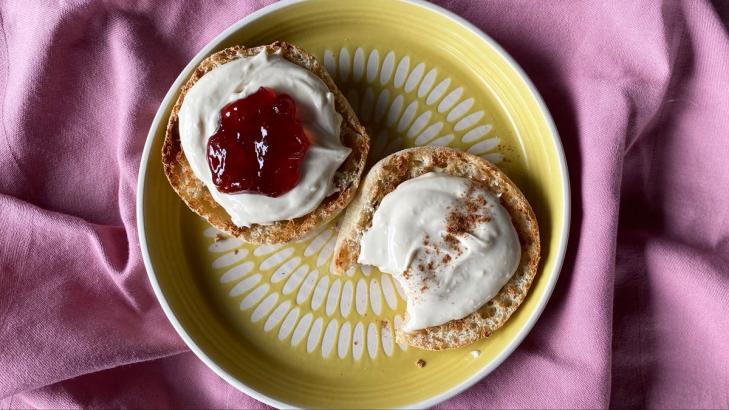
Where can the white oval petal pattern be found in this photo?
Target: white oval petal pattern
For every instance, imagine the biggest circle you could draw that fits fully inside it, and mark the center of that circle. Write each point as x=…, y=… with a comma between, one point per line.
x=372, y=342
x=285, y=270
x=387, y=66
x=225, y=245
x=332, y=298
x=360, y=298
x=414, y=77
x=358, y=341
x=344, y=64
x=375, y=301
x=288, y=324
x=387, y=339
x=345, y=305
x=358, y=65
x=301, y=329
x=276, y=258
x=245, y=285
x=237, y=272
x=462, y=108
x=438, y=91
x=266, y=249
x=318, y=242
x=276, y=316
x=476, y=133
x=402, y=72
x=319, y=293
x=295, y=279
x=470, y=120
x=389, y=292
x=484, y=146
x=450, y=99
x=288, y=290
x=373, y=65
x=254, y=297
x=228, y=259
x=429, y=133
x=407, y=116
x=343, y=345
x=264, y=307
x=306, y=287
x=314, y=335
x=395, y=110
x=330, y=336
x=427, y=82
x=419, y=124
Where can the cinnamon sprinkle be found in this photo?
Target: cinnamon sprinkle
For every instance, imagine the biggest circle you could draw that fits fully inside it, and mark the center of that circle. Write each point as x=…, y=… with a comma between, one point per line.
x=464, y=220
x=460, y=220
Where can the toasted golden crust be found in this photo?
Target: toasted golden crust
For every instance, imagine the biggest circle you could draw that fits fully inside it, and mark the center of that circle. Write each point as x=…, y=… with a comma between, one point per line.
x=196, y=195
x=385, y=176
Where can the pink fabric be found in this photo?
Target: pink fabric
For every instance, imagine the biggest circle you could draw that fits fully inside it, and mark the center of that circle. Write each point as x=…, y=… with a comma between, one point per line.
x=640, y=94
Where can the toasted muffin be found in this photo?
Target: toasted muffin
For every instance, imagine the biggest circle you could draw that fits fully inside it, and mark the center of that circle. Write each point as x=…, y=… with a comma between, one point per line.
x=196, y=195
x=391, y=171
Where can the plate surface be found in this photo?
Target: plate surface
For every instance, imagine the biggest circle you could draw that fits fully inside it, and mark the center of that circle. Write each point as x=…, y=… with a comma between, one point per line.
x=271, y=320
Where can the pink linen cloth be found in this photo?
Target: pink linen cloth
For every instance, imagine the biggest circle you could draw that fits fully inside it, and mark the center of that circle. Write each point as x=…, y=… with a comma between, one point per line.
x=640, y=94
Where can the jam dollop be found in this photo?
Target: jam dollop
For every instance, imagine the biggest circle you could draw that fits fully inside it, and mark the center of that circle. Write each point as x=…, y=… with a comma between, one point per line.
x=259, y=145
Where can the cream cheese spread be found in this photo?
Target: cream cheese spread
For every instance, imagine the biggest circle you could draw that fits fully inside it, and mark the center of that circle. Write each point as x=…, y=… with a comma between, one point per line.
x=199, y=117
x=447, y=241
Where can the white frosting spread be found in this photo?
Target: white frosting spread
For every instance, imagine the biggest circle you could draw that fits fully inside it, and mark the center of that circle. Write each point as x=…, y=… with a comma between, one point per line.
x=199, y=117
x=447, y=241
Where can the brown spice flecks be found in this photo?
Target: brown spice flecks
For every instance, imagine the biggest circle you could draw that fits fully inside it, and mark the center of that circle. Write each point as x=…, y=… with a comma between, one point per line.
x=383, y=323
x=450, y=239
x=451, y=242
x=219, y=237
x=473, y=205
x=235, y=252
x=465, y=219
x=420, y=363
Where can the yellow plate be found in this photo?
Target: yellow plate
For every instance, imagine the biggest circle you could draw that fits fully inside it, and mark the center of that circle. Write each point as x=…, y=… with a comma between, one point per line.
x=271, y=320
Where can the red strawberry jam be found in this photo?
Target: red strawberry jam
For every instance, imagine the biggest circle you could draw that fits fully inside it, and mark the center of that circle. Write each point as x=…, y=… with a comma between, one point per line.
x=259, y=145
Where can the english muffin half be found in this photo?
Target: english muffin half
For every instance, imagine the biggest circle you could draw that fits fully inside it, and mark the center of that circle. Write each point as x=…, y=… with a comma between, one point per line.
x=399, y=167
x=195, y=193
